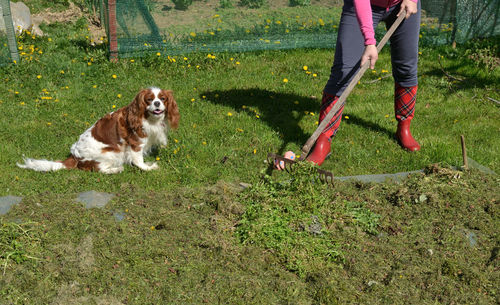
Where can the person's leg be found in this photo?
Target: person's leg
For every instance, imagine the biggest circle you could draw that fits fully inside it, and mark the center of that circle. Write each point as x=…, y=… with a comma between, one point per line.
x=404, y=57
x=348, y=51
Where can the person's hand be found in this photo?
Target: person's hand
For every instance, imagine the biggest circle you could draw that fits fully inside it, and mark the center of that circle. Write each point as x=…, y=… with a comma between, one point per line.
x=409, y=6
x=370, y=54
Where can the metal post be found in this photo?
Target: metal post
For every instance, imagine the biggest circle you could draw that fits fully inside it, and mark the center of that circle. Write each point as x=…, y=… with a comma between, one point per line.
x=9, y=28
x=113, y=41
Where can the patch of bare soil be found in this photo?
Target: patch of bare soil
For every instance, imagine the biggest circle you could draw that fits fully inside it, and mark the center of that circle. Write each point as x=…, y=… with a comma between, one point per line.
x=72, y=14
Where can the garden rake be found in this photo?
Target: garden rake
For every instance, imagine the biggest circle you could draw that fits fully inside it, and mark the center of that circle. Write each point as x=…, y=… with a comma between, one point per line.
x=326, y=176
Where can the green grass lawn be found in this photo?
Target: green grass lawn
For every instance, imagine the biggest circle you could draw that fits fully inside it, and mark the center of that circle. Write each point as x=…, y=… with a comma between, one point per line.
x=191, y=236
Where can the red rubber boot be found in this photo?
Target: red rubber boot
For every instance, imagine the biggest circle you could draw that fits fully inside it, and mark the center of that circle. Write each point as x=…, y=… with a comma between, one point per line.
x=404, y=109
x=322, y=148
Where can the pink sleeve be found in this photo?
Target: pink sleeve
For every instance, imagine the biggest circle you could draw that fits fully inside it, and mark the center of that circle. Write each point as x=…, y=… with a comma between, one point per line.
x=364, y=15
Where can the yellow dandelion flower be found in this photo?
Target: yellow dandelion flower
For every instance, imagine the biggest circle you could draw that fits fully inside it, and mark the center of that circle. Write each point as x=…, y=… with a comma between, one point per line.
x=114, y=106
x=119, y=95
x=419, y=53
x=305, y=68
x=204, y=143
x=239, y=130
x=113, y=76
x=132, y=60
x=22, y=103
x=62, y=71
x=315, y=75
x=254, y=151
x=229, y=114
x=192, y=100
x=89, y=63
x=49, y=123
x=176, y=141
x=346, y=117
x=94, y=86
x=193, y=34
x=158, y=54
x=237, y=62
x=82, y=73
x=285, y=80
x=152, y=228
x=38, y=76
x=157, y=158
x=386, y=115
x=49, y=39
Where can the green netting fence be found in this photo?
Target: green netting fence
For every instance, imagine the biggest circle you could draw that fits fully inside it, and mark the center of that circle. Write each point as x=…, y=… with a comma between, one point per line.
x=8, y=45
x=141, y=27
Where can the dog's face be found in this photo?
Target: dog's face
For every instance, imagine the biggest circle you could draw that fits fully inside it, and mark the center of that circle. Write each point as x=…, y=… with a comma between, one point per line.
x=157, y=104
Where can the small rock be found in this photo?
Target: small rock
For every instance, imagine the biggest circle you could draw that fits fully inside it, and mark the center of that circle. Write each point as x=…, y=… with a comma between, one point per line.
x=119, y=216
x=472, y=239
x=430, y=251
x=7, y=202
x=94, y=199
x=244, y=185
x=315, y=227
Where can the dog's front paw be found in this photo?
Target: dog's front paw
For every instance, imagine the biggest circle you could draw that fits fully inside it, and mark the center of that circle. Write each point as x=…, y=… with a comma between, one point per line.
x=151, y=166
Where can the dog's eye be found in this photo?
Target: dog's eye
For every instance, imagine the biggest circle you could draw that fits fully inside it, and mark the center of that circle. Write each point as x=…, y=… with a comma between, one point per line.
x=149, y=100
x=162, y=99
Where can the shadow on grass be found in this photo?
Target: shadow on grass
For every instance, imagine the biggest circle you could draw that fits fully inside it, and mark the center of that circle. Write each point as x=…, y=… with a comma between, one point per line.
x=370, y=126
x=282, y=112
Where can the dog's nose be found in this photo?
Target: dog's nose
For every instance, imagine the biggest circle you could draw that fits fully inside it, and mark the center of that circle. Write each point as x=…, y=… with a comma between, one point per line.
x=157, y=104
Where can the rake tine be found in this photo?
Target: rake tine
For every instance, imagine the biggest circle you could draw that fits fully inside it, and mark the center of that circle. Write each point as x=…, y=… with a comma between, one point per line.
x=323, y=175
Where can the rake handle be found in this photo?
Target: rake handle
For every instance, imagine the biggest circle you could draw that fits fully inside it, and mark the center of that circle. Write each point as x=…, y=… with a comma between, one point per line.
x=343, y=97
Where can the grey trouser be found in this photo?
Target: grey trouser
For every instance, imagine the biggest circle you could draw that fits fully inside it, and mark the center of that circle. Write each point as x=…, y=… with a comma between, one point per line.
x=350, y=47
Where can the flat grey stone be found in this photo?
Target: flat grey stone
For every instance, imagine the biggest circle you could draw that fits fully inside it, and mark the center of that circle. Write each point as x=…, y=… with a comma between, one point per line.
x=119, y=216
x=93, y=199
x=7, y=202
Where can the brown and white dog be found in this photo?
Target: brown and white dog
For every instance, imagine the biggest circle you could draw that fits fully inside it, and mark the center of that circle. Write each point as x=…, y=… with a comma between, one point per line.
x=121, y=137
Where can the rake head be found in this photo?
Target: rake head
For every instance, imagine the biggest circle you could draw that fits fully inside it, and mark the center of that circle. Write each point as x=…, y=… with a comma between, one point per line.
x=323, y=175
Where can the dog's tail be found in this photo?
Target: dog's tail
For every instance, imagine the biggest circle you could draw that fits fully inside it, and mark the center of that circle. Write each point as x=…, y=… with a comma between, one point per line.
x=49, y=166
x=42, y=165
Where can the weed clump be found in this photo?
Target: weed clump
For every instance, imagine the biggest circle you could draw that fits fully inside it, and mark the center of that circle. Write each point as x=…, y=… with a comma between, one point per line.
x=16, y=243
x=295, y=220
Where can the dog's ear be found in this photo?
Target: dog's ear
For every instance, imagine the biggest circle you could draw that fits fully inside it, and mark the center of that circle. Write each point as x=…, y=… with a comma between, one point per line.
x=136, y=110
x=173, y=115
